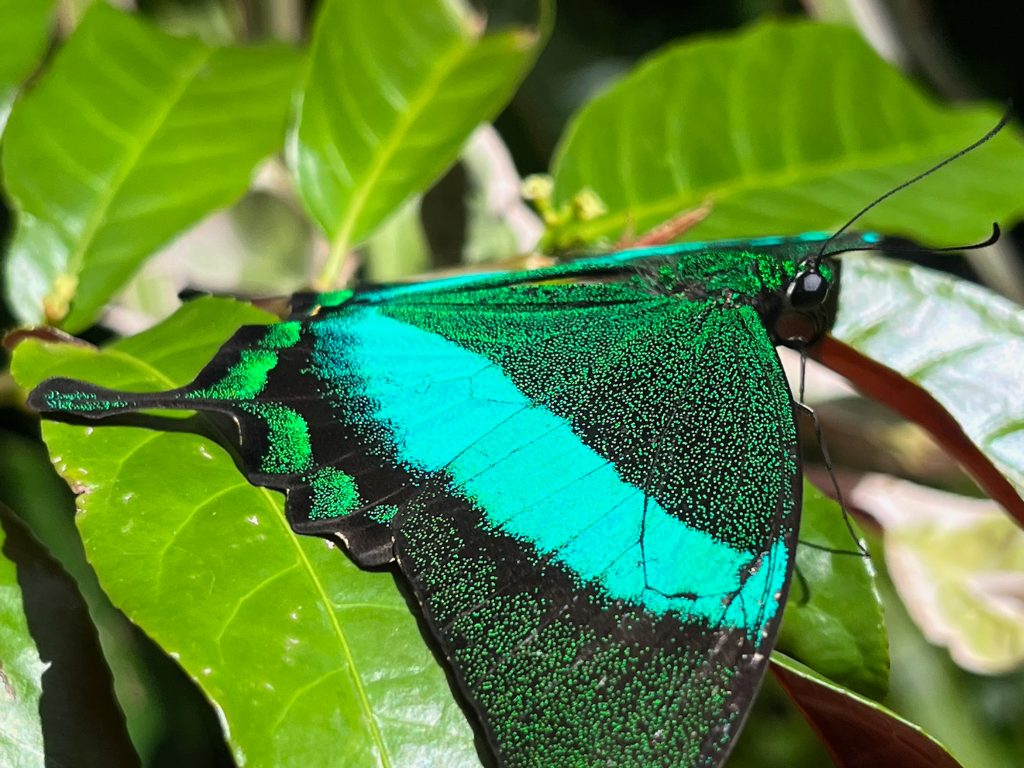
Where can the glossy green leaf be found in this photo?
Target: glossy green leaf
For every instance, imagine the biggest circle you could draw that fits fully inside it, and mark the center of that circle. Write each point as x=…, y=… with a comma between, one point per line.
x=960, y=342
x=783, y=128
x=24, y=33
x=834, y=618
x=129, y=137
x=392, y=91
x=305, y=654
x=21, y=672
x=858, y=732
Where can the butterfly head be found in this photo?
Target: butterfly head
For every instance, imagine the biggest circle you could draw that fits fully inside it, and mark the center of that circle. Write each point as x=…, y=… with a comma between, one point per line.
x=806, y=308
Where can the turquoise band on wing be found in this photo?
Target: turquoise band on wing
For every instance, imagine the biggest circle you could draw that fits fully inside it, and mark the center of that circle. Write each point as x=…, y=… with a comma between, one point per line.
x=536, y=480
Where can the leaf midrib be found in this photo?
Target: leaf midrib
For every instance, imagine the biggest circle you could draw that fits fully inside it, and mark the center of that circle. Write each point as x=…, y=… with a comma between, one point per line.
x=669, y=205
x=415, y=108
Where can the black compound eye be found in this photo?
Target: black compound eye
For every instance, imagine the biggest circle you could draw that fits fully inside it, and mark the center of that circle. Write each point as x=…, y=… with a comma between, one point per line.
x=808, y=289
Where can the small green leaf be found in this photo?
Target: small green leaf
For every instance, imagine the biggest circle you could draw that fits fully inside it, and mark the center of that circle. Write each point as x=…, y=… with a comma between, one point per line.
x=130, y=136
x=305, y=654
x=24, y=33
x=960, y=342
x=784, y=127
x=834, y=618
x=393, y=90
x=21, y=673
x=958, y=565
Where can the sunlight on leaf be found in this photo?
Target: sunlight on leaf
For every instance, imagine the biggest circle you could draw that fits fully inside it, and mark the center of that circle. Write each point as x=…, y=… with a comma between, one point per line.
x=392, y=91
x=960, y=342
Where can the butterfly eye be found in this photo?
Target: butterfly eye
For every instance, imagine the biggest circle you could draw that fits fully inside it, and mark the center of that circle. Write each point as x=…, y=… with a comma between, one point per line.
x=808, y=289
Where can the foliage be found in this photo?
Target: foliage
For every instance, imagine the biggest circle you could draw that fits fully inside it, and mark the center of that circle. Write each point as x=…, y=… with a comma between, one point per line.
x=130, y=135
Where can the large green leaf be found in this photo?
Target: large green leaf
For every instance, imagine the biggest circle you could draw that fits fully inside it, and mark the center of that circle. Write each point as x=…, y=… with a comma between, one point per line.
x=158, y=701
x=24, y=32
x=21, y=672
x=960, y=342
x=130, y=136
x=834, y=618
x=392, y=91
x=307, y=656
x=783, y=128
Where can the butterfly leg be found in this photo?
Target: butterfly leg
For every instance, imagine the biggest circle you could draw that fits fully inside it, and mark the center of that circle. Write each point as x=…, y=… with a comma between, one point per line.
x=820, y=438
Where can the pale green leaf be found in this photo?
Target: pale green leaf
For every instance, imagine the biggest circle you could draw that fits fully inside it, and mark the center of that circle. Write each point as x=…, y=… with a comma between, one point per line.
x=960, y=342
x=130, y=136
x=958, y=564
x=783, y=128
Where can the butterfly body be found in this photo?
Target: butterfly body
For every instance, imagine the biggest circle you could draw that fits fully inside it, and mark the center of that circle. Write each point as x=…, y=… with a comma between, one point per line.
x=587, y=473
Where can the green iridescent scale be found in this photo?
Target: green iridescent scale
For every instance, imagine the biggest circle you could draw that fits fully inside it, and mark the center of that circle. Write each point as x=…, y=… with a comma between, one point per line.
x=587, y=473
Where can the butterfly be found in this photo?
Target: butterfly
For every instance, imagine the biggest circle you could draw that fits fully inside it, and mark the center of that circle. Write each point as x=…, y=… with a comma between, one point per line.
x=587, y=473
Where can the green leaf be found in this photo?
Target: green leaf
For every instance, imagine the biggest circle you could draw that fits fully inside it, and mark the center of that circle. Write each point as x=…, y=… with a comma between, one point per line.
x=82, y=724
x=858, y=731
x=158, y=701
x=305, y=654
x=958, y=564
x=21, y=673
x=130, y=137
x=24, y=33
x=783, y=128
x=960, y=342
x=834, y=617
x=392, y=91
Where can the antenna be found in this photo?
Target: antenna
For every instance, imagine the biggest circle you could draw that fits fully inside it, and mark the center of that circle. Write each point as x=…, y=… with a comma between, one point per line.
x=942, y=163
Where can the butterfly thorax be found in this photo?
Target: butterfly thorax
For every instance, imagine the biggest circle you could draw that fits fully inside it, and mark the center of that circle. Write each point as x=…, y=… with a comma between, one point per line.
x=744, y=278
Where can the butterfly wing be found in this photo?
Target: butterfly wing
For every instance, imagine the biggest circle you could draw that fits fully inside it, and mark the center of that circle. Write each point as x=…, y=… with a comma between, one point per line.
x=593, y=490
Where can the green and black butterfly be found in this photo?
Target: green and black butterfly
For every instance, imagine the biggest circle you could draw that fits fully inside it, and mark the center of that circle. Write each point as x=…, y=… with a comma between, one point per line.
x=588, y=474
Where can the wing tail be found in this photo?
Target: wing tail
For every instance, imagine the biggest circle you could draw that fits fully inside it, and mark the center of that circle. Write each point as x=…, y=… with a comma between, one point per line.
x=79, y=398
